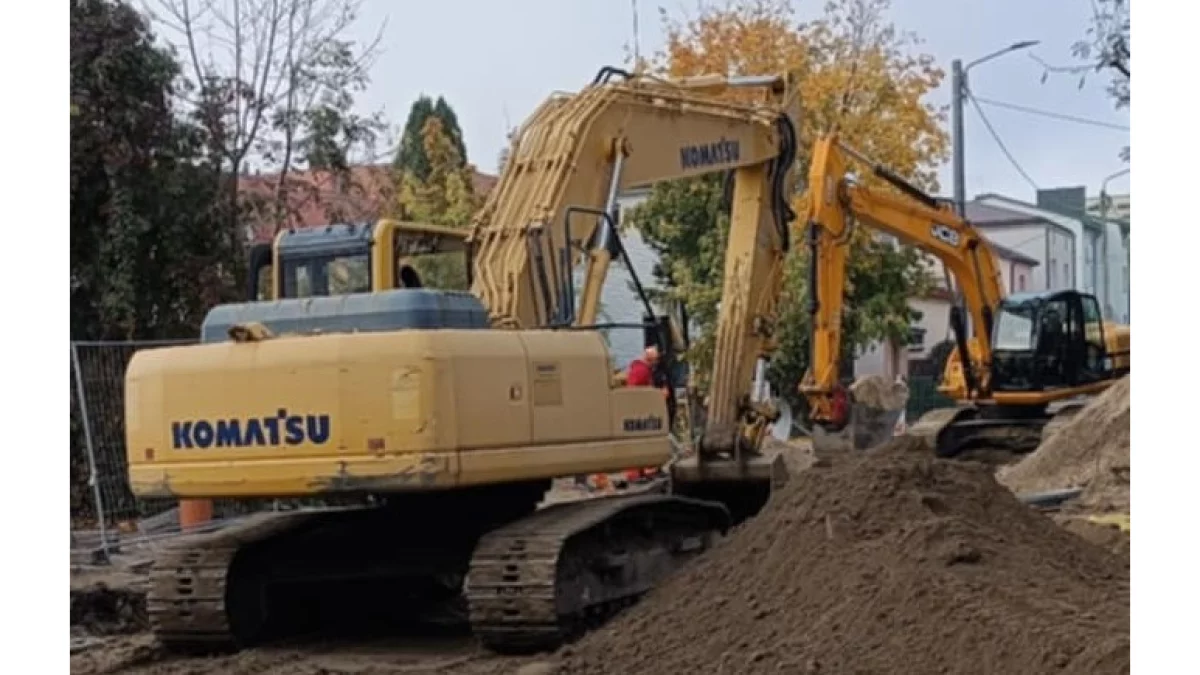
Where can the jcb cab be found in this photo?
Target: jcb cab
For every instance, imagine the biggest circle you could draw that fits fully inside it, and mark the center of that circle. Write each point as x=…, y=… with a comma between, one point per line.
x=1054, y=341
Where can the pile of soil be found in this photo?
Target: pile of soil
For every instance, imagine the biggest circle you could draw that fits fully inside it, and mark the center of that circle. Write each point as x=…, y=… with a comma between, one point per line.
x=1091, y=451
x=1105, y=535
x=892, y=562
x=797, y=453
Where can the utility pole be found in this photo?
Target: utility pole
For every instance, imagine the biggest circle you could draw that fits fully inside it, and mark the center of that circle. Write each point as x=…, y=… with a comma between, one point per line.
x=956, y=129
x=958, y=93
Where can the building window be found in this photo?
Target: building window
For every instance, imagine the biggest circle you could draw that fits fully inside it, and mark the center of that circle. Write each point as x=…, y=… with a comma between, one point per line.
x=1050, y=272
x=1020, y=282
x=1067, y=275
x=916, y=339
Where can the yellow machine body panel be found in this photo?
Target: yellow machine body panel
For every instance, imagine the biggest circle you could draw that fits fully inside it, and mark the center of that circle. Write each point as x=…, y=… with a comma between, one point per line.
x=1116, y=344
x=382, y=412
x=466, y=426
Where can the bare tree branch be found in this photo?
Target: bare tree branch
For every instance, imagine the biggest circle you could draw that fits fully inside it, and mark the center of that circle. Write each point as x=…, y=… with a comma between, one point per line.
x=276, y=83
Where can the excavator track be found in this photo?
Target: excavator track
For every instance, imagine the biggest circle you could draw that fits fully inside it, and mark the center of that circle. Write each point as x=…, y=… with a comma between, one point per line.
x=524, y=583
x=274, y=574
x=541, y=581
x=953, y=431
x=187, y=598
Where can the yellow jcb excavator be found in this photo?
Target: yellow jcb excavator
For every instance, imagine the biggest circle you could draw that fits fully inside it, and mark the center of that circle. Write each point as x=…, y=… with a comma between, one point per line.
x=1028, y=358
x=450, y=412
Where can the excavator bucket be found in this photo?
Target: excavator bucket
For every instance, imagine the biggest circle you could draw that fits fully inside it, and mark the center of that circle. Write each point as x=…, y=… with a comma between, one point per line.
x=766, y=467
x=876, y=404
x=868, y=427
x=743, y=483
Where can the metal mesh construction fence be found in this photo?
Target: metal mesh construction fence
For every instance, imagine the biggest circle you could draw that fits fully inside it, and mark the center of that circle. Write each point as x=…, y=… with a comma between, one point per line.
x=105, y=514
x=102, y=506
x=924, y=377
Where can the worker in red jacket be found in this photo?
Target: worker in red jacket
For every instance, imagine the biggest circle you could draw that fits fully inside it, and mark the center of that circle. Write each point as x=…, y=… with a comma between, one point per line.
x=641, y=371
x=641, y=374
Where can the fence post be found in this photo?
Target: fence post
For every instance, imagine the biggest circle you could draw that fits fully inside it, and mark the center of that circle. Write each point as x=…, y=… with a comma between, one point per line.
x=93, y=479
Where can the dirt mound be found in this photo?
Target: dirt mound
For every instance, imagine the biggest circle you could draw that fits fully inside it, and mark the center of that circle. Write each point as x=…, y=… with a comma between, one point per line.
x=1105, y=535
x=100, y=609
x=797, y=453
x=1089, y=451
x=140, y=655
x=893, y=562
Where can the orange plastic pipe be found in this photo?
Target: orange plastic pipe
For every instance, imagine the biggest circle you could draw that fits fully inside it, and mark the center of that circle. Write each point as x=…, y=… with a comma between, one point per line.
x=194, y=512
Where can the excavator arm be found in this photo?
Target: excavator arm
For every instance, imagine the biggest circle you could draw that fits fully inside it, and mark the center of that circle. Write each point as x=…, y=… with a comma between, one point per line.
x=832, y=207
x=555, y=202
x=739, y=409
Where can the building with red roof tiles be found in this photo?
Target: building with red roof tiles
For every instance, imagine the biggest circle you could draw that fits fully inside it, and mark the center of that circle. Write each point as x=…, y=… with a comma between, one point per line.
x=317, y=198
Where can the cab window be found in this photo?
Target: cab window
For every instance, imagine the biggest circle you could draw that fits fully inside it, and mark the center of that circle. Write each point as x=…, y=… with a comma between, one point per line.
x=326, y=275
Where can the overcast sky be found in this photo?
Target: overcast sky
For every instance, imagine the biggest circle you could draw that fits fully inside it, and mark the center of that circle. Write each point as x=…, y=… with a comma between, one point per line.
x=495, y=60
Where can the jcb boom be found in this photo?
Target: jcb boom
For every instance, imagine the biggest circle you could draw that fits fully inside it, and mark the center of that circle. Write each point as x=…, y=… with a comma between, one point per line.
x=453, y=411
x=1026, y=354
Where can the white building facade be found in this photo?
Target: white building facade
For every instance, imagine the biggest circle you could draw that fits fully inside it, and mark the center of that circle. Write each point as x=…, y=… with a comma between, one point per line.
x=1074, y=249
x=1052, y=246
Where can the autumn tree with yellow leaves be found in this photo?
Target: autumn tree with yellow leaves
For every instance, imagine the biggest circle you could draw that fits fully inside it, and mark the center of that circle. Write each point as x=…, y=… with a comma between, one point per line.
x=445, y=197
x=859, y=75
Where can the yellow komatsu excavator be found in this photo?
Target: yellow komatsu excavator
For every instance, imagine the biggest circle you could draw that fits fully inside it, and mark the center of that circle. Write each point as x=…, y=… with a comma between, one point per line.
x=449, y=413
x=1029, y=358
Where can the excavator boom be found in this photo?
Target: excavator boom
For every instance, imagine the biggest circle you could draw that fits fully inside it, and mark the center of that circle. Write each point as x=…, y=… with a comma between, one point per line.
x=556, y=199
x=834, y=205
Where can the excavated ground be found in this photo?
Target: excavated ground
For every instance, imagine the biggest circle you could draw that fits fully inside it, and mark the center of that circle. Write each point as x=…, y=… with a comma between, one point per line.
x=893, y=563
x=1091, y=451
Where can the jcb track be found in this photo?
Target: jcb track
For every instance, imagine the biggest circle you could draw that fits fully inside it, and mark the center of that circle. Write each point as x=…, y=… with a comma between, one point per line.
x=547, y=578
x=955, y=430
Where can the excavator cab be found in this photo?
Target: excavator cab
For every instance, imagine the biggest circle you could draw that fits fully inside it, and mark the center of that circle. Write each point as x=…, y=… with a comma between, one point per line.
x=349, y=258
x=1047, y=342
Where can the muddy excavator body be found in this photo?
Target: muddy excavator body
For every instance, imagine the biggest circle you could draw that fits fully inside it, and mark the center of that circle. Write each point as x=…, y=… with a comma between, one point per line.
x=416, y=431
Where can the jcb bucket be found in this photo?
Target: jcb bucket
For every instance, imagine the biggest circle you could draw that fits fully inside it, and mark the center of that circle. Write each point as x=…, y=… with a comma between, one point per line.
x=868, y=428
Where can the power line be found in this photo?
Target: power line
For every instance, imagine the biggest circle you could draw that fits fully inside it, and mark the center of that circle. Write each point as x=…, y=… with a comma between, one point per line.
x=1000, y=142
x=1051, y=114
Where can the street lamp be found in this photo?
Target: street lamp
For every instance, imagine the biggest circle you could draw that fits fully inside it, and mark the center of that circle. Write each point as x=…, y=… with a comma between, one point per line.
x=958, y=83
